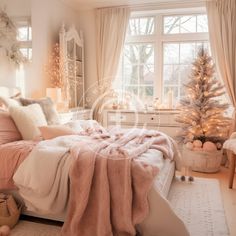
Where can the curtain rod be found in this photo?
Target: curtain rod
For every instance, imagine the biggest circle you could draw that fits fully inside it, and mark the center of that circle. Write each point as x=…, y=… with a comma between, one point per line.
x=161, y=5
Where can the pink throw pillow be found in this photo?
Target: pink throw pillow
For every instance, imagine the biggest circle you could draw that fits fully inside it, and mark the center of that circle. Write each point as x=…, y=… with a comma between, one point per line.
x=8, y=131
x=53, y=131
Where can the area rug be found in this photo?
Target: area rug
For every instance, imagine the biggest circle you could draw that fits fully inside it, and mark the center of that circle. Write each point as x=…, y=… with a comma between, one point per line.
x=199, y=205
x=28, y=228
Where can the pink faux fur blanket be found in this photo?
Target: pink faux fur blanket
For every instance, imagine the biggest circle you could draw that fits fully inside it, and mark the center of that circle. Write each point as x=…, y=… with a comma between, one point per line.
x=110, y=183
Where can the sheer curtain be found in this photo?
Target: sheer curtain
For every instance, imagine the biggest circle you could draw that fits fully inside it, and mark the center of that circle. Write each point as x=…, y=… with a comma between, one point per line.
x=222, y=29
x=111, y=30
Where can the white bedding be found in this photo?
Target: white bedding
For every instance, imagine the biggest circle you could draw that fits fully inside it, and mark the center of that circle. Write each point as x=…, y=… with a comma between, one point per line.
x=43, y=183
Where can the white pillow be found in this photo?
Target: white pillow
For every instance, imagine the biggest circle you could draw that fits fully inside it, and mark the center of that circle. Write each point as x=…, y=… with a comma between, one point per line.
x=28, y=119
x=83, y=125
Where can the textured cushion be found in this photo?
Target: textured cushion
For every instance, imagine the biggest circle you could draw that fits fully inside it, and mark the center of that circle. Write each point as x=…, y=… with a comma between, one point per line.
x=53, y=131
x=27, y=120
x=47, y=106
x=8, y=130
x=7, y=102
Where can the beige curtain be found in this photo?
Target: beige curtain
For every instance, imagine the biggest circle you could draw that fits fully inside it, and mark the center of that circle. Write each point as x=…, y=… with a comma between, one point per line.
x=111, y=31
x=222, y=29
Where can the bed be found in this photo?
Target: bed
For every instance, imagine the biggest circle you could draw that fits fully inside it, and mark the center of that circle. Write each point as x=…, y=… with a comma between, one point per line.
x=15, y=155
x=19, y=149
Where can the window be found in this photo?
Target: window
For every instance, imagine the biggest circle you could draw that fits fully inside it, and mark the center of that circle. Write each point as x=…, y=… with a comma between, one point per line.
x=24, y=36
x=158, y=53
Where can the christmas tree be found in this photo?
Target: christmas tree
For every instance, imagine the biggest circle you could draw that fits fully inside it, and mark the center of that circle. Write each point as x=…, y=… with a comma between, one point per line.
x=54, y=67
x=202, y=115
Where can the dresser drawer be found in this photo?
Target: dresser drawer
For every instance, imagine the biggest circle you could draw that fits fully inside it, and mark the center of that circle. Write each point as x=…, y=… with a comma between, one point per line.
x=149, y=119
x=118, y=117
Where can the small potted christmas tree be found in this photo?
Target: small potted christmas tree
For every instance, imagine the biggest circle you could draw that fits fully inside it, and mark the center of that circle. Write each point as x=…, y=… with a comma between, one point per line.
x=204, y=126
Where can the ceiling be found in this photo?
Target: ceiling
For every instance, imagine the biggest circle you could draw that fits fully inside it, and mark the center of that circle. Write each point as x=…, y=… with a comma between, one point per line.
x=90, y=4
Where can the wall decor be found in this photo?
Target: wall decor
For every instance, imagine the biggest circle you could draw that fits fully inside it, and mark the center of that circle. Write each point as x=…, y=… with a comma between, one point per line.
x=8, y=39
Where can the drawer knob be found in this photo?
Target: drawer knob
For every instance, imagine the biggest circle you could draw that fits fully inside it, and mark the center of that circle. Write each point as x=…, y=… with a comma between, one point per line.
x=152, y=118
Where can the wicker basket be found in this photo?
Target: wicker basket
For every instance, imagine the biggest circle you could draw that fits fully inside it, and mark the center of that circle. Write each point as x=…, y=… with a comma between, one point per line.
x=202, y=161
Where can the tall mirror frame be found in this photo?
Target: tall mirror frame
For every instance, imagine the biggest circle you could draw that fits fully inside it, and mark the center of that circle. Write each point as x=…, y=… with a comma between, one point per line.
x=72, y=66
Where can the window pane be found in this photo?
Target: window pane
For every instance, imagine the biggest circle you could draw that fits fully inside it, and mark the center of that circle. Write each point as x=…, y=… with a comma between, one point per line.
x=146, y=52
x=146, y=94
x=26, y=52
x=185, y=24
x=202, y=23
x=146, y=73
x=131, y=54
x=141, y=26
x=131, y=74
x=171, y=24
x=187, y=52
x=188, y=24
x=171, y=53
x=132, y=90
x=171, y=75
x=22, y=34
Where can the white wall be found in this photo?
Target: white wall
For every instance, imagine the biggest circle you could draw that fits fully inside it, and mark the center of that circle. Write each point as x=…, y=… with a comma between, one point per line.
x=88, y=25
x=47, y=18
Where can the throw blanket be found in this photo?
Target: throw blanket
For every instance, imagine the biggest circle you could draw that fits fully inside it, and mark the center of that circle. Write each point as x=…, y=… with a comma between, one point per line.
x=110, y=183
x=42, y=178
x=11, y=156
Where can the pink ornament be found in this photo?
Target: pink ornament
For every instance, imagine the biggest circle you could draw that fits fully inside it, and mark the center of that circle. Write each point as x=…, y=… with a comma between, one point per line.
x=189, y=145
x=197, y=143
x=209, y=146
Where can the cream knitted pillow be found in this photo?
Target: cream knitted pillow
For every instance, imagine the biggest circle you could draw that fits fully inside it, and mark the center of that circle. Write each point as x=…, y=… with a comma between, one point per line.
x=28, y=119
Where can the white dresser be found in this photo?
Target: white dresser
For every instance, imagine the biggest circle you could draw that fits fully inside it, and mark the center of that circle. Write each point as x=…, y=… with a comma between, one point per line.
x=162, y=120
x=75, y=114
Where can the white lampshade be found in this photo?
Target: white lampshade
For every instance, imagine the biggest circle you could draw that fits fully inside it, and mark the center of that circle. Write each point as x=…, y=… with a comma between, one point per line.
x=54, y=94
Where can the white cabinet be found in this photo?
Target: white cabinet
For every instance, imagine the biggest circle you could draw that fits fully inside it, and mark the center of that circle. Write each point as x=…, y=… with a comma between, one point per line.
x=72, y=66
x=162, y=120
x=75, y=114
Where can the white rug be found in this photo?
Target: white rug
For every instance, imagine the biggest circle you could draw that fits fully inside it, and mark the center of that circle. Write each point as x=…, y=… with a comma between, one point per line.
x=28, y=228
x=199, y=205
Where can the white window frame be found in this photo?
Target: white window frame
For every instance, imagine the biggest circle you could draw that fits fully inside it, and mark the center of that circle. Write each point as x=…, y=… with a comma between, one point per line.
x=18, y=23
x=159, y=38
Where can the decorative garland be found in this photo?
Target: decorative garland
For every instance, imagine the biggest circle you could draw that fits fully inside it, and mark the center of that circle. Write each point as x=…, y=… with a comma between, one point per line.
x=8, y=41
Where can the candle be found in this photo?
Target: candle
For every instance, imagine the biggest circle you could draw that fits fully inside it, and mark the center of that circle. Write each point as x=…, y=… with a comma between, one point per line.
x=170, y=99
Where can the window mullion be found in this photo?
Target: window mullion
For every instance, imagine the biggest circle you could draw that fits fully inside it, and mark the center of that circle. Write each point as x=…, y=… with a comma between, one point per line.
x=158, y=58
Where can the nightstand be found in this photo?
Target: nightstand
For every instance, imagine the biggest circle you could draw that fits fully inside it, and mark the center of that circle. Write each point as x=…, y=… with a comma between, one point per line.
x=75, y=114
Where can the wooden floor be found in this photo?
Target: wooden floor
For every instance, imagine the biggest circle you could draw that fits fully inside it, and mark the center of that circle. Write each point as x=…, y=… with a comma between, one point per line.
x=228, y=195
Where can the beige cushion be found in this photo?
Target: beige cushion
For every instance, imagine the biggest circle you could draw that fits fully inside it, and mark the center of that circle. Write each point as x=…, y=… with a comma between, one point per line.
x=27, y=120
x=47, y=106
x=53, y=131
x=7, y=102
